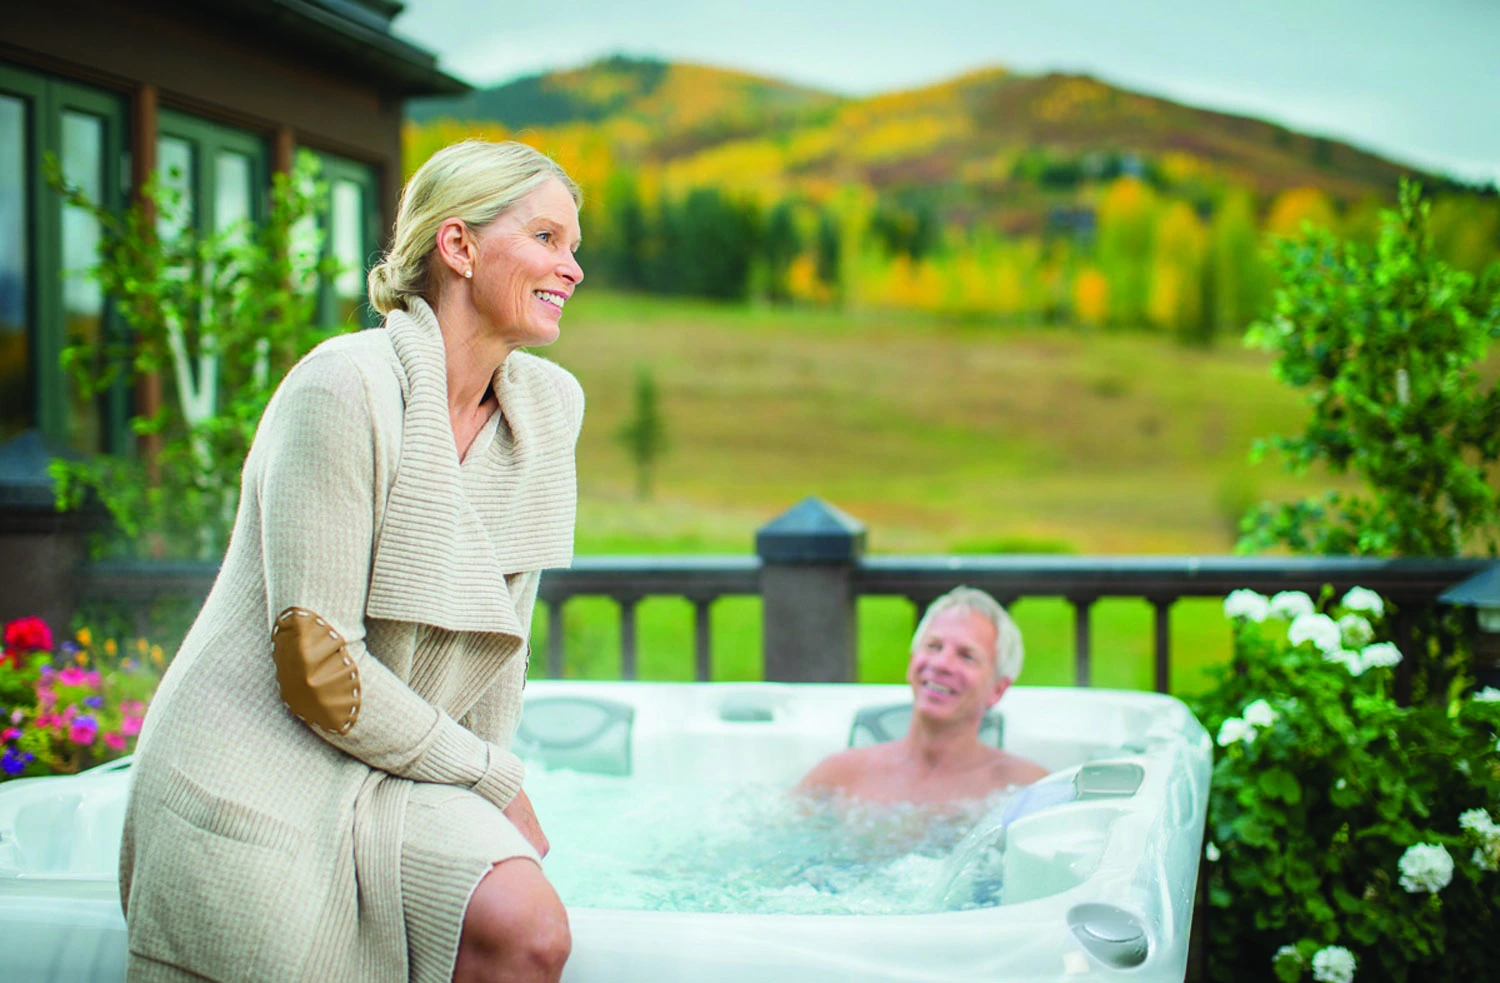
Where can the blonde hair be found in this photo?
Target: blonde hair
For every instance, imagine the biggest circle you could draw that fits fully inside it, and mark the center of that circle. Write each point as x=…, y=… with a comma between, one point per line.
x=475, y=181
x=1009, y=652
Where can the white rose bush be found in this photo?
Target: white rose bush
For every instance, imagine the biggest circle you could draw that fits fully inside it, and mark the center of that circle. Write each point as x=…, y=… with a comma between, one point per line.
x=1353, y=838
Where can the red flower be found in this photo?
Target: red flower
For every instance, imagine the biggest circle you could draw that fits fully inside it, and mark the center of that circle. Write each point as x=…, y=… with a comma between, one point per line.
x=28, y=635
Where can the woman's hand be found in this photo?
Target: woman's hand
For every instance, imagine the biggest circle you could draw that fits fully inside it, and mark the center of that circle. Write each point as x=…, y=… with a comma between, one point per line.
x=523, y=817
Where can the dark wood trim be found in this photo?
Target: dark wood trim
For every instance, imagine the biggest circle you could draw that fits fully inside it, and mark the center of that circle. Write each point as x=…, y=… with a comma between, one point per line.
x=283, y=146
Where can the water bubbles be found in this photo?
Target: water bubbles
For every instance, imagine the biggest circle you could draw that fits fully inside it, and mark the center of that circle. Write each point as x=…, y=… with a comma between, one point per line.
x=624, y=843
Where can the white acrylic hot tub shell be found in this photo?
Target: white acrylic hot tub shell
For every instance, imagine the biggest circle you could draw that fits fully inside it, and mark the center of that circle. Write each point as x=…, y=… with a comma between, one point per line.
x=1138, y=855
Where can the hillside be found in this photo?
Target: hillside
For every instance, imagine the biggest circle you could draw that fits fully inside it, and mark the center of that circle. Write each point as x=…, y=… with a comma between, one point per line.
x=669, y=100
x=973, y=141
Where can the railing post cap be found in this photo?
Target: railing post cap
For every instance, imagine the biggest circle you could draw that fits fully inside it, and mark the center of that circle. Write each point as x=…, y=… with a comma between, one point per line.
x=812, y=531
x=1479, y=591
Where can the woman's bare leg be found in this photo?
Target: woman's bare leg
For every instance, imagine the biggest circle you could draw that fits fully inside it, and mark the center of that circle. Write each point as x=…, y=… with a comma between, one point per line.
x=515, y=928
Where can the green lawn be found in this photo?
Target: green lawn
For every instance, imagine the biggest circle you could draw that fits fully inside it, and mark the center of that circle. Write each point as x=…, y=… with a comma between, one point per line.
x=941, y=436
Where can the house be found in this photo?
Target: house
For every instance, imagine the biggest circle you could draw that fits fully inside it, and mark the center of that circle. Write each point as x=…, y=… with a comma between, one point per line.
x=216, y=97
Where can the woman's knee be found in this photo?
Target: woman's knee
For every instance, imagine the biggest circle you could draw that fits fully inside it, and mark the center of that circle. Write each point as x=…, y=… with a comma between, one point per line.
x=516, y=920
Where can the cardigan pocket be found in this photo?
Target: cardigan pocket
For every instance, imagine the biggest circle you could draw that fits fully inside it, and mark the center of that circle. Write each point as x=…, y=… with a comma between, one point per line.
x=212, y=879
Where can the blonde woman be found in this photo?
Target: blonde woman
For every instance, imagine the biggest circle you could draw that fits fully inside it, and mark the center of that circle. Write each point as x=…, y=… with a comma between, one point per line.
x=323, y=788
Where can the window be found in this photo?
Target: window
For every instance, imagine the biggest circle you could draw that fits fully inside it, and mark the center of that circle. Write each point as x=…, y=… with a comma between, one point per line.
x=47, y=300
x=15, y=263
x=351, y=229
x=221, y=172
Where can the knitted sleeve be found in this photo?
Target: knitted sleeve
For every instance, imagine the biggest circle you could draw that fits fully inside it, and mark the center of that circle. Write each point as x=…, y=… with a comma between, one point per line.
x=313, y=474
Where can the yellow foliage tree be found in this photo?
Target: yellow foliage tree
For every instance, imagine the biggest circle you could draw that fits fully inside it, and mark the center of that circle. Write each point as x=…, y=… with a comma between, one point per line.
x=1175, y=302
x=1127, y=222
x=1298, y=206
x=1090, y=297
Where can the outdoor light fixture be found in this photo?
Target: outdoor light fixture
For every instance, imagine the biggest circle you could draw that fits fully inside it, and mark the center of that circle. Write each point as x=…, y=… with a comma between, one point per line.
x=1482, y=593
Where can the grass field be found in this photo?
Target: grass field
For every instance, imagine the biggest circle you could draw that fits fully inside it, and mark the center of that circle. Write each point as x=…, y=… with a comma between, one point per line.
x=941, y=437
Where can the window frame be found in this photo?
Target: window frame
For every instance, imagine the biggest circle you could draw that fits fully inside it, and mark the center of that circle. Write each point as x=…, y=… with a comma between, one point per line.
x=47, y=97
x=208, y=139
x=333, y=168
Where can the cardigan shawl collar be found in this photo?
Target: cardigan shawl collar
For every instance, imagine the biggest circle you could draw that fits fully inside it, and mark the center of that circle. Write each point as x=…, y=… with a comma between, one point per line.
x=447, y=540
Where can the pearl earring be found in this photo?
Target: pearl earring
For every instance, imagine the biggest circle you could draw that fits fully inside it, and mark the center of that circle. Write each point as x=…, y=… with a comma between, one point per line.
x=468, y=274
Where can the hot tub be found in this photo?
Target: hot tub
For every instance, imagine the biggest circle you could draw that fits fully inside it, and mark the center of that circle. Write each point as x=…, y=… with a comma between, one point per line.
x=1097, y=864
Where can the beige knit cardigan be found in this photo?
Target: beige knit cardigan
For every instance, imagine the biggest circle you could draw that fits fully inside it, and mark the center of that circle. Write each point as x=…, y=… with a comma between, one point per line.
x=256, y=846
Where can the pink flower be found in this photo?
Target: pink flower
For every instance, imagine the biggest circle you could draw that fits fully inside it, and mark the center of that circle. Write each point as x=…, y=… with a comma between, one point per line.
x=130, y=726
x=83, y=732
x=10, y=734
x=28, y=635
x=74, y=676
x=115, y=741
x=46, y=720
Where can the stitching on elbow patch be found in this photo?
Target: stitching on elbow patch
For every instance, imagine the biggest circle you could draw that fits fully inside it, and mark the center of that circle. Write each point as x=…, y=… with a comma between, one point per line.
x=318, y=679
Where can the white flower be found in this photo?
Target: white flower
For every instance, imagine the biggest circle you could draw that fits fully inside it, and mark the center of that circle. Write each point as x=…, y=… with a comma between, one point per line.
x=1381, y=655
x=1425, y=867
x=1211, y=852
x=1260, y=714
x=1487, y=695
x=1357, y=631
x=1290, y=603
x=1478, y=821
x=1288, y=952
x=1349, y=660
x=1247, y=604
x=1341, y=784
x=1234, y=729
x=1486, y=859
x=1333, y=964
x=1360, y=599
x=1319, y=629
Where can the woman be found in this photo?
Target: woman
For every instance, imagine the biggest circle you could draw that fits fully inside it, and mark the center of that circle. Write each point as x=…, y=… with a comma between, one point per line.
x=323, y=789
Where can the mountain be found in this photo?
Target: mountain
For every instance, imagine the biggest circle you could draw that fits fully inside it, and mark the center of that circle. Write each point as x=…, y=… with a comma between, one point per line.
x=1013, y=149
x=669, y=99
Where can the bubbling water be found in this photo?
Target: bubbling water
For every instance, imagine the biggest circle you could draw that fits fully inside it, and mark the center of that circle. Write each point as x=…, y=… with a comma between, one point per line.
x=622, y=843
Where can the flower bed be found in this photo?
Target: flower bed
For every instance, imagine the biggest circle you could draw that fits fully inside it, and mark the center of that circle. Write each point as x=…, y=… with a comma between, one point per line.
x=71, y=706
x=1349, y=837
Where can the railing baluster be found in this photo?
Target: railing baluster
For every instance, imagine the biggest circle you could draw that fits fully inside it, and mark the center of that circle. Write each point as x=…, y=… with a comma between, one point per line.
x=627, y=636
x=1081, y=606
x=702, y=662
x=1163, y=608
x=555, y=637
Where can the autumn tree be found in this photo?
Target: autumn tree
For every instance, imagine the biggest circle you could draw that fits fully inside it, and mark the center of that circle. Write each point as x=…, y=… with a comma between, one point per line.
x=1127, y=219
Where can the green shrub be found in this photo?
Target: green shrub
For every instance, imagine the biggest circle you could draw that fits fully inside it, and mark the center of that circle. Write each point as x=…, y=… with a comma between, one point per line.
x=1337, y=817
x=220, y=316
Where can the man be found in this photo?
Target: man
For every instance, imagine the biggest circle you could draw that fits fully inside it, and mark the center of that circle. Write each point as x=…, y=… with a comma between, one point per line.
x=965, y=654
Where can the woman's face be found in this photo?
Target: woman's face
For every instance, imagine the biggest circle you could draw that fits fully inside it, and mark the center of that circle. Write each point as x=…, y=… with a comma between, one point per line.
x=525, y=270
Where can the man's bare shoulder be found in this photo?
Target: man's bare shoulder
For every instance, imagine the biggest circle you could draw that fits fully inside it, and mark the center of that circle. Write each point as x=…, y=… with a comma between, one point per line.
x=1012, y=769
x=840, y=770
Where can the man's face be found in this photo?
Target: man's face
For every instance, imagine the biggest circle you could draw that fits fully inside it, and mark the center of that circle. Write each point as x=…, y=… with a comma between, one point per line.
x=952, y=668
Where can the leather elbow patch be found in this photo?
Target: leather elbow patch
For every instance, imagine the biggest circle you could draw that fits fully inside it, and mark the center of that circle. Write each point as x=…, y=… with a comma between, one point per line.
x=319, y=680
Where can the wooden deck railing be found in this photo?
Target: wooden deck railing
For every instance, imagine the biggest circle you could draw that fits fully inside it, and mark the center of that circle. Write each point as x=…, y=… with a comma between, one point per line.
x=809, y=572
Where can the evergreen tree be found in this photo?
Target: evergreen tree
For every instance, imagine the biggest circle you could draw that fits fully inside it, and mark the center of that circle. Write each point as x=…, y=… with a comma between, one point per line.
x=828, y=250
x=644, y=435
x=779, y=246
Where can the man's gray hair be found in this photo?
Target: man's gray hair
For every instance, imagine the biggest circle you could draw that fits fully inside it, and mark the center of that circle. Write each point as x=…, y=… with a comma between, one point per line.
x=1009, y=652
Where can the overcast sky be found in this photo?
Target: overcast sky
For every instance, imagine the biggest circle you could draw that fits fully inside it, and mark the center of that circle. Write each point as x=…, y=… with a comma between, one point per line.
x=1417, y=81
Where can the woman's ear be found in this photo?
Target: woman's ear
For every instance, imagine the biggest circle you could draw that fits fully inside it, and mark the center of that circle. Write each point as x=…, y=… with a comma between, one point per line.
x=455, y=246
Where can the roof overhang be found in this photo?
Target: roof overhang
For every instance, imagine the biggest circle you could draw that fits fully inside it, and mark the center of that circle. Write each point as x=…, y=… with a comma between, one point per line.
x=355, y=32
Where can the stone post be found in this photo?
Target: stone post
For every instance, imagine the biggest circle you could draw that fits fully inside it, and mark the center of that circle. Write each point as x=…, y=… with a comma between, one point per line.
x=40, y=548
x=808, y=558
